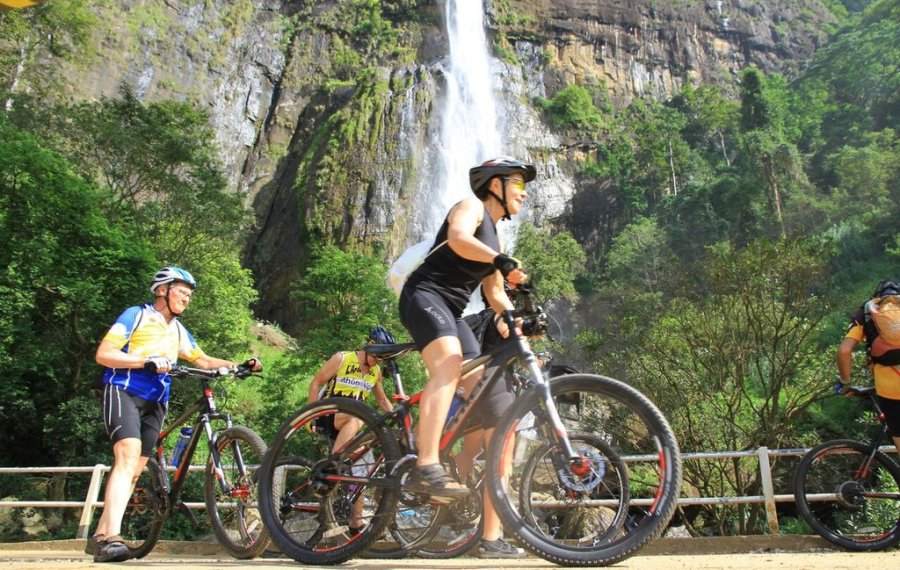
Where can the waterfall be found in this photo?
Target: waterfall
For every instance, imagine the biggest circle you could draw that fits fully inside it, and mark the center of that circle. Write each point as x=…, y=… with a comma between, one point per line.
x=469, y=129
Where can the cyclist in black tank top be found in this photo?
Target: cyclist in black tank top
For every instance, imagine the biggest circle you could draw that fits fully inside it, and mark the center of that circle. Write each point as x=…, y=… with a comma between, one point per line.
x=435, y=295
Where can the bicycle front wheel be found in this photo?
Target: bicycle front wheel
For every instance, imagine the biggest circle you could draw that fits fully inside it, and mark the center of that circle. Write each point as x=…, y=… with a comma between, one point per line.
x=617, y=498
x=232, y=500
x=847, y=499
x=320, y=506
x=146, y=512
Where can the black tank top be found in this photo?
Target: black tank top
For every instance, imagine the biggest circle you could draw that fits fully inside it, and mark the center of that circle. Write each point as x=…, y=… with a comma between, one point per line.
x=453, y=277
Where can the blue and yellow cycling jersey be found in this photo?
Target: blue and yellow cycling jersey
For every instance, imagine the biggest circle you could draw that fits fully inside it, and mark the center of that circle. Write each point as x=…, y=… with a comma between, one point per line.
x=144, y=331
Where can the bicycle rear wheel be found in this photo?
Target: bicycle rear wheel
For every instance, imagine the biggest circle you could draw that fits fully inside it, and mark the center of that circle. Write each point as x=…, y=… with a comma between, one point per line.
x=848, y=501
x=329, y=506
x=146, y=512
x=620, y=497
x=234, y=514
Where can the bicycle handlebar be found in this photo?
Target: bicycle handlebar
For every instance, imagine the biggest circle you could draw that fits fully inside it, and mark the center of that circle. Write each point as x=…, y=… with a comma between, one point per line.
x=239, y=371
x=856, y=391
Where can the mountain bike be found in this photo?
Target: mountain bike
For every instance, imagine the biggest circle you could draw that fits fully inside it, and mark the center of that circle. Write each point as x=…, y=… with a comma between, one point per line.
x=570, y=511
x=230, y=485
x=849, y=491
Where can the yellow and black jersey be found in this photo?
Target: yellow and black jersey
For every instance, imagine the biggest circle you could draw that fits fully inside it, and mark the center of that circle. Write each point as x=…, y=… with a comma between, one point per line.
x=349, y=382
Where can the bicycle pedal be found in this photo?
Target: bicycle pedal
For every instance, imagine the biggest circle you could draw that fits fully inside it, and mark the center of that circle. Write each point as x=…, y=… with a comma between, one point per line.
x=336, y=531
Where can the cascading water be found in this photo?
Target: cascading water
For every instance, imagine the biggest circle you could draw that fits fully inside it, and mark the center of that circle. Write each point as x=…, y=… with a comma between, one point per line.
x=469, y=130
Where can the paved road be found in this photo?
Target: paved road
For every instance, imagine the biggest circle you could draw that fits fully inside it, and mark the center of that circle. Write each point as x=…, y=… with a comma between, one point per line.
x=752, y=553
x=56, y=560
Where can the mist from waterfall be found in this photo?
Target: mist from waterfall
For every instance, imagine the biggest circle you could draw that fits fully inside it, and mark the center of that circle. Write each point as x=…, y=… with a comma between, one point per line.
x=469, y=131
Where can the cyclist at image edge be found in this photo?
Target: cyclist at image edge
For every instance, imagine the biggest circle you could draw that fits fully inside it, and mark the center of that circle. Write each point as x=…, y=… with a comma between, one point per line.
x=437, y=292
x=883, y=361
x=139, y=350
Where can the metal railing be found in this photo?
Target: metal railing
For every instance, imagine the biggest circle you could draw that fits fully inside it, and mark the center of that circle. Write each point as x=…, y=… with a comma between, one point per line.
x=763, y=455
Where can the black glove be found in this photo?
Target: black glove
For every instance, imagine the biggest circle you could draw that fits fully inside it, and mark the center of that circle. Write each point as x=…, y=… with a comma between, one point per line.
x=251, y=363
x=154, y=363
x=506, y=264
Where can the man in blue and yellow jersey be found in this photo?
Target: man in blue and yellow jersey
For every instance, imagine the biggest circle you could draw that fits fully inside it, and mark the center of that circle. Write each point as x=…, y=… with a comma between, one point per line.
x=138, y=352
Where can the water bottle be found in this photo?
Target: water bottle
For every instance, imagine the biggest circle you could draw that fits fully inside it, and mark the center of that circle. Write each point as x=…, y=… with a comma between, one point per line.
x=181, y=445
x=455, y=404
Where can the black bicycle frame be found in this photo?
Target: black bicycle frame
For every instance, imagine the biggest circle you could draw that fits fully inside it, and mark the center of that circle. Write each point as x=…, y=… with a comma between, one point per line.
x=206, y=404
x=877, y=440
x=506, y=351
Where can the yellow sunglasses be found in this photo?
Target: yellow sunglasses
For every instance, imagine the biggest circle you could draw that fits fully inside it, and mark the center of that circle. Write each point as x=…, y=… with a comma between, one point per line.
x=516, y=184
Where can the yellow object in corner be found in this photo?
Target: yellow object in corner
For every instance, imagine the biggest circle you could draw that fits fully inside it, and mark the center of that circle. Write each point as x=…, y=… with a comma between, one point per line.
x=15, y=4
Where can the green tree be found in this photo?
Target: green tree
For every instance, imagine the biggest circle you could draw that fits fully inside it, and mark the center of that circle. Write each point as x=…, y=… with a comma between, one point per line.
x=768, y=153
x=712, y=118
x=552, y=262
x=159, y=162
x=61, y=28
x=572, y=107
x=734, y=369
x=640, y=260
x=67, y=273
x=342, y=295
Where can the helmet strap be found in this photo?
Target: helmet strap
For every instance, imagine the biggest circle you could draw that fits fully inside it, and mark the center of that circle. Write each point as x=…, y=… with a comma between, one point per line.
x=168, y=306
x=502, y=200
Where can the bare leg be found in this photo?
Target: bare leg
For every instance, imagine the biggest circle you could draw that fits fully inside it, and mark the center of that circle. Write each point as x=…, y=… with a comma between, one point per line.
x=127, y=467
x=348, y=426
x=443, y=358
x=492, y=527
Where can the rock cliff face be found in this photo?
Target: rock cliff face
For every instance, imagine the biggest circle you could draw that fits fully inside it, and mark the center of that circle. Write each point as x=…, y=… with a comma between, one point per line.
x=323, y=152
x=641, y=46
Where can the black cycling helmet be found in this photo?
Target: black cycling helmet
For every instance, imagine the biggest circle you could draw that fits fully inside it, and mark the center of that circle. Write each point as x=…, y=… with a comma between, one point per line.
x=480, y=176
x=887, y=287
x=381, y=335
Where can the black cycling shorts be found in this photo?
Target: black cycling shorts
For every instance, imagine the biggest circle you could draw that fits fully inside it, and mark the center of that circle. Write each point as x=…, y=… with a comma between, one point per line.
x=127, y=416
x=495, y=401
x=891, y=409
x=427, y=317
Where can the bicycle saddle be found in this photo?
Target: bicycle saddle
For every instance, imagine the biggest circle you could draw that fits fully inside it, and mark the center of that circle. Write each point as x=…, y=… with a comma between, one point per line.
x=390, y=350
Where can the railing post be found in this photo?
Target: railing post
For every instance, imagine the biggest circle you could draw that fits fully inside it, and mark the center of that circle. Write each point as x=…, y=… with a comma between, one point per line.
x=765, y=471
x=93, y=493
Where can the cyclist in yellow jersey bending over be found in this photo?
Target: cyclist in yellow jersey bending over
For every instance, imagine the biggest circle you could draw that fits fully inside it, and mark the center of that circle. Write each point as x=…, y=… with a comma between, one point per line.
x=351, y=375
x=355, y=375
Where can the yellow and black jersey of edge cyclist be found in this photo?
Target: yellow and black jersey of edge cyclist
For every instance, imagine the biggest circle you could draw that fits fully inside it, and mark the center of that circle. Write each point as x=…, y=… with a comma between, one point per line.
x=886, y=372
x=350, y=382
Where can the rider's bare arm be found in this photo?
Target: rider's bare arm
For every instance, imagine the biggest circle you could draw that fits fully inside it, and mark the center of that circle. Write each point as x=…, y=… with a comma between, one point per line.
x=329, y=369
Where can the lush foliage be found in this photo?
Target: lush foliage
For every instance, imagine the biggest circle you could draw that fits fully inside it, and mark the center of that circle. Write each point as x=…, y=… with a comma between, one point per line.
x=552, y=262
x=745, y=230
x=740, y=226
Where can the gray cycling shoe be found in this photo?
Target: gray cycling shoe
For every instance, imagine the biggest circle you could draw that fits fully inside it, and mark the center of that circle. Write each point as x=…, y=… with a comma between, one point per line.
x=433, y=481
x=499, y=549
x=111, y=549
